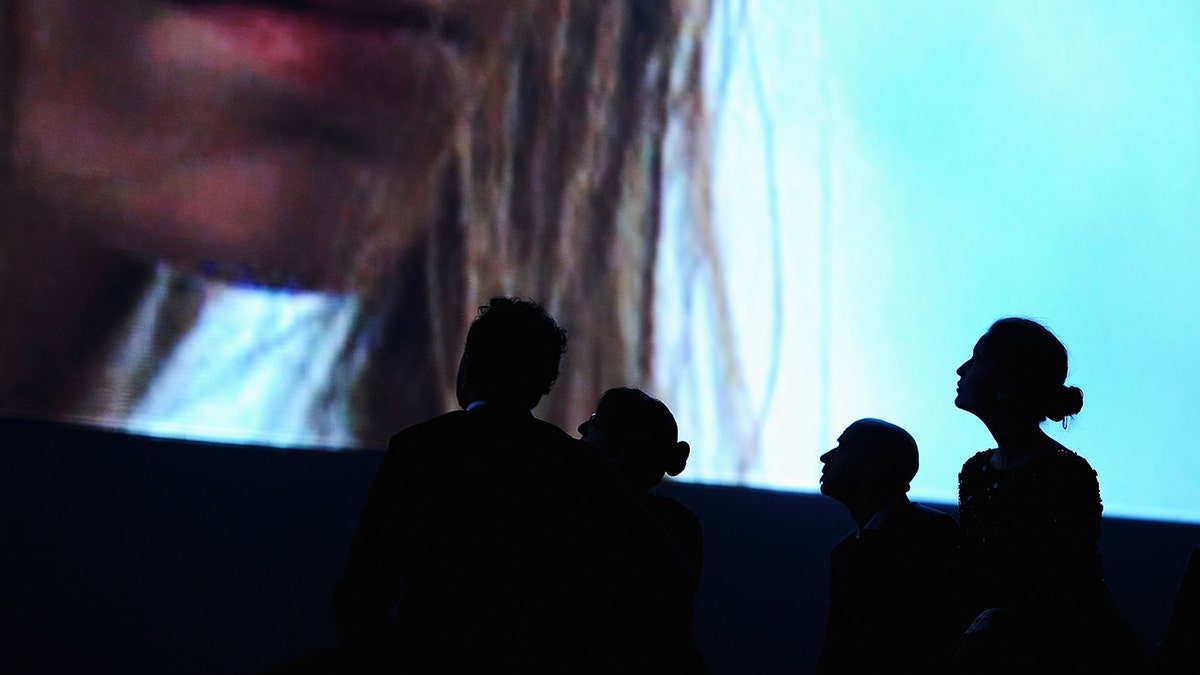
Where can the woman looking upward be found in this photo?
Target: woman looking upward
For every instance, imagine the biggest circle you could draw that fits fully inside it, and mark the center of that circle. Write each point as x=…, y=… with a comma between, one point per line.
x=1030, y=515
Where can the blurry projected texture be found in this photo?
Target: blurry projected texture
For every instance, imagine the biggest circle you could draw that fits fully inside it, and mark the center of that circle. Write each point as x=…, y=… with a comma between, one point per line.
x=271, y=222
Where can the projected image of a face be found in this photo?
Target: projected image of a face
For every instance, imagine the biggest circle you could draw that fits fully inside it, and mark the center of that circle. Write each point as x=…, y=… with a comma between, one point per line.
x=271, y=221
x=274, y=143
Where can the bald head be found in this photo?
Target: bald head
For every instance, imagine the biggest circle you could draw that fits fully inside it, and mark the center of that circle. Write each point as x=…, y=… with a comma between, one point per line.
x=872, y=457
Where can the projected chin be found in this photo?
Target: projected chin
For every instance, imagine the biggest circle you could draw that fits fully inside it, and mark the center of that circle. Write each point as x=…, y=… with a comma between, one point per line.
x=299, y=145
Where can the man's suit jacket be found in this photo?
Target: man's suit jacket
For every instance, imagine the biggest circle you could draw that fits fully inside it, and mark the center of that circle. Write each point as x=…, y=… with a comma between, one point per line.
x=892, y=602
x=486, y=528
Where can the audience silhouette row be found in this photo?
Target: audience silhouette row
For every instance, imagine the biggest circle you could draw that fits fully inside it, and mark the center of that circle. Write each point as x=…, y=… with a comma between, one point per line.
x=491, y=539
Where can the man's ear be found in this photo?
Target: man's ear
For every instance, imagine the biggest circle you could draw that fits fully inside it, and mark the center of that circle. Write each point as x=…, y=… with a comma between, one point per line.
x=677, y=461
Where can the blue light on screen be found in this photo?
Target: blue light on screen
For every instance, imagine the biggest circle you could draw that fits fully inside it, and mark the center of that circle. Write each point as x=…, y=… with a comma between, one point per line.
x=893, y=177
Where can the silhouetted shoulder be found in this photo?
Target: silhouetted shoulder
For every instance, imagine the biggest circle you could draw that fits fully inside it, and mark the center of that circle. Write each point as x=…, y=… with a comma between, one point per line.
x=976, y=463
x=972, y=479
x=485, y=452
x=683, y=527
x=934, y=518
x=484, y=431
x=1068, y=463
x=467, y=422
x=1078, y=487
x=918, y=526
x=671, y=512
x=435, y=425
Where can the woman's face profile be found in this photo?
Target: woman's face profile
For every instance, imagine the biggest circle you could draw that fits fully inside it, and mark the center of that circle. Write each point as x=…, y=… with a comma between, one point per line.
x=300, y=139
x=978, y=383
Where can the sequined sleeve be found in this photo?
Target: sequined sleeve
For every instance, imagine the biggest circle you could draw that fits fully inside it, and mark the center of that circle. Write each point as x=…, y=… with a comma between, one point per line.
x=1030, y=535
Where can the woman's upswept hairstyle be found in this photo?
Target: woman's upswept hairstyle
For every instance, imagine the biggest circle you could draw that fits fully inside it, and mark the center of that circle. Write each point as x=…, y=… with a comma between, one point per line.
x=1036, y=363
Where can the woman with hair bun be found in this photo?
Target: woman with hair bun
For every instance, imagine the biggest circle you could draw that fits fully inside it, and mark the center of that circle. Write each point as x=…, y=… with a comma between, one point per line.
x=1030, y=513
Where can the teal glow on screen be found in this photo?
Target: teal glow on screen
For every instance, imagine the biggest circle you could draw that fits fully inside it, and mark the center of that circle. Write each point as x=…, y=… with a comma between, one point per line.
x=271, y=223
x=893, y=177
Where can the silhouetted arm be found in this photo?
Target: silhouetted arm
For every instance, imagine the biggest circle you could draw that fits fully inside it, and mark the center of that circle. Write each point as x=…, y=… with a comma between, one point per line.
x=1069, y=546
x=1079, y=508
x=940, y=604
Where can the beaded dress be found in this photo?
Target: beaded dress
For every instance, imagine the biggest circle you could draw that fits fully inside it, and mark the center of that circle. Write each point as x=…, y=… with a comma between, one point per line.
x=1030, y=534
x=1029, y=548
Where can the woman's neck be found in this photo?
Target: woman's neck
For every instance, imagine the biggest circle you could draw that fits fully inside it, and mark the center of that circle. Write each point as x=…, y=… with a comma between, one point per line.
x=1017, y=442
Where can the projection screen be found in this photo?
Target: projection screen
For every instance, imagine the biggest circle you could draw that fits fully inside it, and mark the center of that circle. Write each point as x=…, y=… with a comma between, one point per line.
x=270, y=222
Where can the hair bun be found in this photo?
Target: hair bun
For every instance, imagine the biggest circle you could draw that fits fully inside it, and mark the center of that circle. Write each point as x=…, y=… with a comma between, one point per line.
x=1066, y=402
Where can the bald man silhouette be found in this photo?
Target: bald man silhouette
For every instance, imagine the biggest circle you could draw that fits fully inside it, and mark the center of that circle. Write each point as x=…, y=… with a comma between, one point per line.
x=892, y=604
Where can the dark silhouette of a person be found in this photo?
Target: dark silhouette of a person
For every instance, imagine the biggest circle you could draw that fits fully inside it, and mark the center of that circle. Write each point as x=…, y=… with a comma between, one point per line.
x=663, y=546
x=1033, y=584
x=1178, y=651
x=892, y=605
x=482, y=543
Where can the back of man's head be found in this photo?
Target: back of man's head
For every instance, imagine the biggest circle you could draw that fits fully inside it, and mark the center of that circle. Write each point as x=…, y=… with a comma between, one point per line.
x=893, y=453
x=512, y=353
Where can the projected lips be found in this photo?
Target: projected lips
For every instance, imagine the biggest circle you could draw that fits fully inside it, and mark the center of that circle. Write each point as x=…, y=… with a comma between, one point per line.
x=276, y=137
x=434, y=18
x=337, y=60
